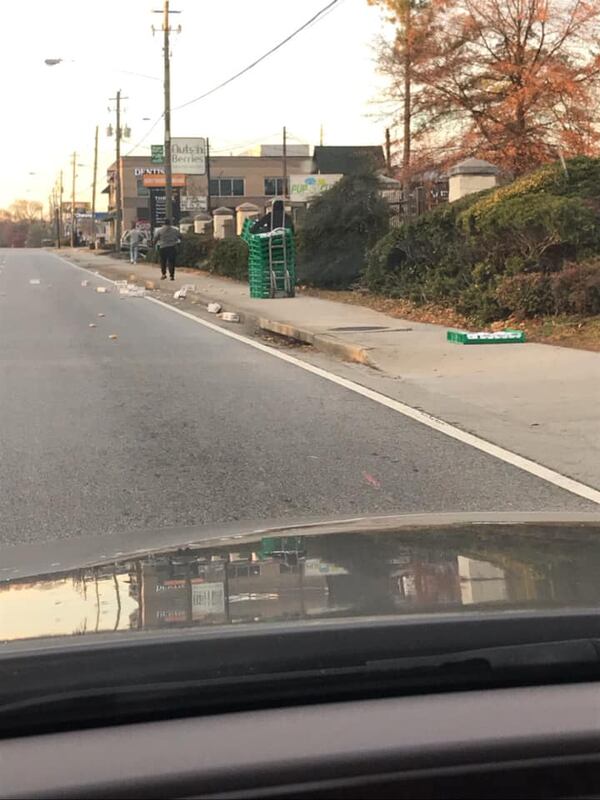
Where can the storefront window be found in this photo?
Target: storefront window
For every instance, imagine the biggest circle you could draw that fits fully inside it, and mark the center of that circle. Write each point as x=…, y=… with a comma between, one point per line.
x=227, y=187
x=274, y=187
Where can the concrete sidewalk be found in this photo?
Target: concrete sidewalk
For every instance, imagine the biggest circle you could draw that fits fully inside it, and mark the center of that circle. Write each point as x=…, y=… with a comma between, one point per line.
x=537, y=400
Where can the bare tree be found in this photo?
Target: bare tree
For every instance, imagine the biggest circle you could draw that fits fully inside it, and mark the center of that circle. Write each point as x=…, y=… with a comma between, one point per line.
x=26, y=210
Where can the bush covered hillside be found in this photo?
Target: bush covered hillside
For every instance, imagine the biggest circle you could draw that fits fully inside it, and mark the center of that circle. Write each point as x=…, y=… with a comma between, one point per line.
x=529, y=248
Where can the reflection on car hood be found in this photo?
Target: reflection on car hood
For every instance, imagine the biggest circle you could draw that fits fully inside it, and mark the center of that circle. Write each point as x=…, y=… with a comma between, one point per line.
x=354, y=569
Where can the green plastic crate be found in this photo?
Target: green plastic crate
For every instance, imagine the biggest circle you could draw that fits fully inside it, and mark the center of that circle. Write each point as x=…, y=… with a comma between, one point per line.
x=509, y=336
x=263, y=248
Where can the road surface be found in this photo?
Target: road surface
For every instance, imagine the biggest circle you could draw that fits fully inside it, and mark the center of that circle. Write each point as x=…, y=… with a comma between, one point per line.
x=173, y=424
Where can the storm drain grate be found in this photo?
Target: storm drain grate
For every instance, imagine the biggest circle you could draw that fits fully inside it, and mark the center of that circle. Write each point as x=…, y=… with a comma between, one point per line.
x=370, y=329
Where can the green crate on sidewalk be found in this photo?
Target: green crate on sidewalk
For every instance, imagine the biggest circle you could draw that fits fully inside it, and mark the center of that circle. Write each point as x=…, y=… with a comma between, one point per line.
x=508, y=336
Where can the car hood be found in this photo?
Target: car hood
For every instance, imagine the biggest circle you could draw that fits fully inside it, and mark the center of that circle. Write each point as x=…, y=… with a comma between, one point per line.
x=341, y=569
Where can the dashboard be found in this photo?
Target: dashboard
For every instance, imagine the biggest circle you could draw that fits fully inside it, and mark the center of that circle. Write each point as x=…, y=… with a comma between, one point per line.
x=510, y=742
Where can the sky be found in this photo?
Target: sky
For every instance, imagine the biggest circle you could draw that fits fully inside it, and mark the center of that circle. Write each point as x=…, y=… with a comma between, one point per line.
x=326, y=75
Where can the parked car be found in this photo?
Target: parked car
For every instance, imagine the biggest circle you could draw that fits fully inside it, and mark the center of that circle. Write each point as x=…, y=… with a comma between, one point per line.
x=144, y=246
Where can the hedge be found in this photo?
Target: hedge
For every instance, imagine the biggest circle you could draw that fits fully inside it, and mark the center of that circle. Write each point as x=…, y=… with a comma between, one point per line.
x=573, y=290
x=465, y=254
x=229, y=257
x=193, y=251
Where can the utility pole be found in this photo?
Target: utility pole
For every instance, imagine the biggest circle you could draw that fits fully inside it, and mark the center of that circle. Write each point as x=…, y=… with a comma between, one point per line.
x=55, y=216
x=166, y=29
x=74, y=169
x=57, y=222
x=61, y=227
x=388, y=150
x=94, y=182
x=285, y=171
x=208, y=197
x=167, y=79
x=321, y=135
x=118, y=186
x=118, y=196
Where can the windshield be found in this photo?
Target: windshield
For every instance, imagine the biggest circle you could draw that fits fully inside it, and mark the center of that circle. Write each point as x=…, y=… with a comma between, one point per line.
x=343, y=270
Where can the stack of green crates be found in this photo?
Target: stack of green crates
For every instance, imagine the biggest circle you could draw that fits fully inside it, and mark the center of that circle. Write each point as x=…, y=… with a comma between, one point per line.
x=259, y=274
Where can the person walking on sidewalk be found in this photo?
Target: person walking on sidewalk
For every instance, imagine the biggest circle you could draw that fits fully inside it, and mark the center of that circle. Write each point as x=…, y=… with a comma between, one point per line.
x=134, y=237
x=167, y=238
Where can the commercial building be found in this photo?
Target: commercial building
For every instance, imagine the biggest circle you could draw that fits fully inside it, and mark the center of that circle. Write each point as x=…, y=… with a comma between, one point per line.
x=233, y=180
x=229, y=180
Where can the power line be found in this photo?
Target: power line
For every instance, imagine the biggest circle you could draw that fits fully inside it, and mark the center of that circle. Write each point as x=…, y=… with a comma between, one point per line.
x=315, y=18
x=260, y=140
x=144, y=137
x=270, y=52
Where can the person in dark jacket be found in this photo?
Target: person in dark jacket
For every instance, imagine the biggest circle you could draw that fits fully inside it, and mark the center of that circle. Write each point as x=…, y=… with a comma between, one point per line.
x=167, y=238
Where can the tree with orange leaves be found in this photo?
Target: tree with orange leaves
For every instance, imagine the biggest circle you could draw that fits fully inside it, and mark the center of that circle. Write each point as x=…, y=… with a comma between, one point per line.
x=515, y=81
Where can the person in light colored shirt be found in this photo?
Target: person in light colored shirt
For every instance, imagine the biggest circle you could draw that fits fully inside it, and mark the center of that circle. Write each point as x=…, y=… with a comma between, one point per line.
x=135, y=237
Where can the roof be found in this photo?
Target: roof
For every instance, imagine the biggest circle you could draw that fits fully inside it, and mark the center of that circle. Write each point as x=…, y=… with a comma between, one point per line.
x=386, y=182
x=473, y=166
x=346, y=160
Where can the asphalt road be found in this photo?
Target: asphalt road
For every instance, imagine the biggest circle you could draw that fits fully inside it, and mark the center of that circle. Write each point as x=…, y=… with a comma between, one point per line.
x=173, y=424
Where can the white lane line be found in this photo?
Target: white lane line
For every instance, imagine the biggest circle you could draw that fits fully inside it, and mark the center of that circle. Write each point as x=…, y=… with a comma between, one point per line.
x=515, y=460
x=89, y=272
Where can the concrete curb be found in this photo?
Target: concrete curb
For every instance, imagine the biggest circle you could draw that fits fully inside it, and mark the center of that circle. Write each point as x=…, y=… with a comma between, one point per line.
x=323, y=342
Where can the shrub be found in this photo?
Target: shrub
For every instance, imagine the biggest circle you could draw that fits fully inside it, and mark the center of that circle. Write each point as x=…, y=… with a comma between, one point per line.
x=339, y=227
x=526, y=295
x=427, y=259
x=531, y=232
x=466, y=253
x=152, y=256
x=582, y=180
x=229, y=257
x=479, y=302
x=194, y=249
x=576, y=290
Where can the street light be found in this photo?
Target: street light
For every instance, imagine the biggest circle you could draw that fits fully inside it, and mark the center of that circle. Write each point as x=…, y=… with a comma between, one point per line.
x=53, y=62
